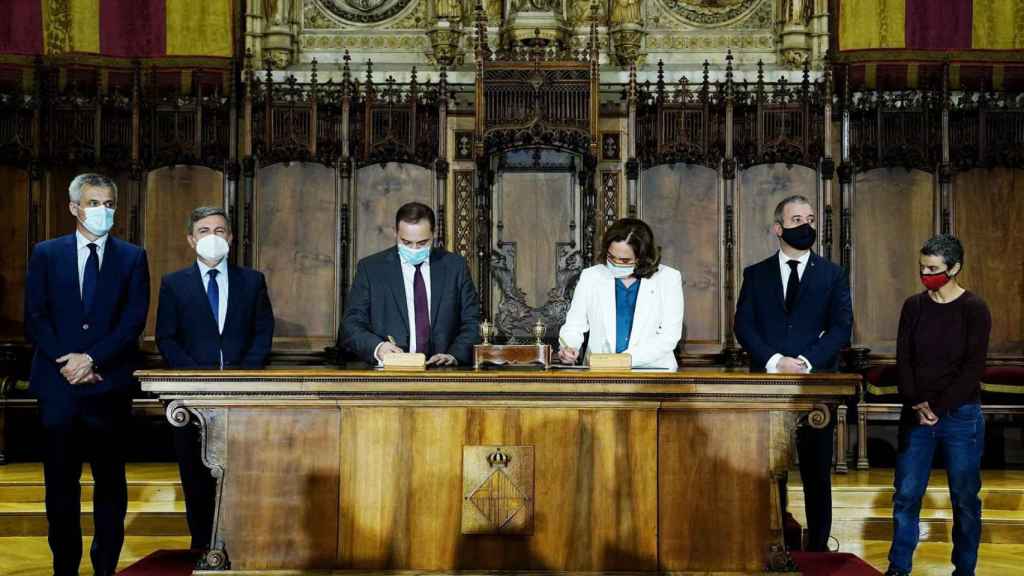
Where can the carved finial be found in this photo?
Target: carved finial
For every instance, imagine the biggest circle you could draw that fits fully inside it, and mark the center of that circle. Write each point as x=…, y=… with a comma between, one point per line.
x=269, y=64
x=312, y=75
x=805, y=84
x=632, y=82
x=442, y=83
x=369, y=71
x=707, y=73
x=412, y=79
x=661, y=81
x=760, y=72
x=483, y=51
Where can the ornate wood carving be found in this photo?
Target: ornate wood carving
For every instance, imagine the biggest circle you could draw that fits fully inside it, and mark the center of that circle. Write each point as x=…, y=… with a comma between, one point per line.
x=901, y=128
x=497, y=484
x=465, y=214
x=609, y=197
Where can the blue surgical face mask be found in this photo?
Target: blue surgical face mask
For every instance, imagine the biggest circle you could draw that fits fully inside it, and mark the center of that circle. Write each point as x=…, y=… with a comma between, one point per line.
x=620, y=271
x=98, y=219
x=411, y=256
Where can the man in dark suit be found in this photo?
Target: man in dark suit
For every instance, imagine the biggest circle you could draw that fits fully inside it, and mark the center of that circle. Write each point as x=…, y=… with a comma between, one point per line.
x=794, y=315
x=422, y=298
x=86, y=300
x=211, y=315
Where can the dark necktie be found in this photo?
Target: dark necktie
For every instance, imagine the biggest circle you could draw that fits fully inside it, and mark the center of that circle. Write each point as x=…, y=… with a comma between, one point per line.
x=793, y=285
x=419, y=297
x=92, y=272
x=213, y=295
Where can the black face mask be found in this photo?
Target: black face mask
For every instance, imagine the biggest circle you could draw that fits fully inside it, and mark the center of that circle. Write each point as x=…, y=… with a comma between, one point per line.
x=800, y=237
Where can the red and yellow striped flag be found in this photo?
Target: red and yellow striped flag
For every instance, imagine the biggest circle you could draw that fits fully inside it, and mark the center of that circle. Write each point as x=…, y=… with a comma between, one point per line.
x=117, y=28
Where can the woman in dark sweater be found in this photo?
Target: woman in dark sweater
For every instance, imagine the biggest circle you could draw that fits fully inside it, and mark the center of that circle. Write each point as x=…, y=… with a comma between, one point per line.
x=941, y=349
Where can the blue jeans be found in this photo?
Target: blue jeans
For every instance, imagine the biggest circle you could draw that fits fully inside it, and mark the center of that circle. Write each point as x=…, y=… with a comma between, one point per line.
x=961, y=436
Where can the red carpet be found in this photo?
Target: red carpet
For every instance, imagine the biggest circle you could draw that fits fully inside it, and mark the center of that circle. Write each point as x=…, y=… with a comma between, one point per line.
x=164, y=563
x=181, y=562
x=832, y=564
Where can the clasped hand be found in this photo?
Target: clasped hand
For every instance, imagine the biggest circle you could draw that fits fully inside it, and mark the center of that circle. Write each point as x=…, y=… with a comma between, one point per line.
x=925, y=416
x=78, y=369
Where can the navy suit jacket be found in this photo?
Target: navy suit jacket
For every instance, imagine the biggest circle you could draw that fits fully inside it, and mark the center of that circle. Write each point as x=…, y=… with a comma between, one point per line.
x=377, y=308
x=57, y=323
x=819, y=325
x=186, y=331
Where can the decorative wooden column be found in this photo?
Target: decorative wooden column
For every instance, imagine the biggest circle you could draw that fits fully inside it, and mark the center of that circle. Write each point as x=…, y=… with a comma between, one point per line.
x=632, y=165
x=245, y=207
x=828, y=165
x=945, y=168
x=441, y=163
x=731, y=355
x=345, y=182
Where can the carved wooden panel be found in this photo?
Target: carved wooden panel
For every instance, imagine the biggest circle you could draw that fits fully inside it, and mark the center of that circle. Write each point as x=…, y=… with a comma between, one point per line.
x=536, y=210
x=296, y=244
x=682, y=204
x=465, y=217
x=170, y=196
x=299, y=526
x=14, y=235
x=596, y=487
x=892, y=216
x=380, y=191
x=989, y=209
x=758, y=190
x=497, y=489
x=692, y=448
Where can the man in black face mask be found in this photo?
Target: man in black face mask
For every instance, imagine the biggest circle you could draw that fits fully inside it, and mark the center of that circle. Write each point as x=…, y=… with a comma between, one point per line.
x=794, y=315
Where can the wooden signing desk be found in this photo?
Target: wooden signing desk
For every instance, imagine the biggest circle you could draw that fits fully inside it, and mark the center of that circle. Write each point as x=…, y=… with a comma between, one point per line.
x=498, y=470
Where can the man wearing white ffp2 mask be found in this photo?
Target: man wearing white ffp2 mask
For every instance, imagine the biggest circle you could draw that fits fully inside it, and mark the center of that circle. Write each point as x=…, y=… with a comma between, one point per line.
x=212, y=314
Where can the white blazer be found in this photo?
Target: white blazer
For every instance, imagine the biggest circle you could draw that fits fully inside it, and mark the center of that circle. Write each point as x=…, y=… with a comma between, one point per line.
x=657, y=320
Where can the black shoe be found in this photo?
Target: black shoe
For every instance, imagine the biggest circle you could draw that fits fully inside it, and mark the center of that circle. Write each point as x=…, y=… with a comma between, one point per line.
x=895, y=572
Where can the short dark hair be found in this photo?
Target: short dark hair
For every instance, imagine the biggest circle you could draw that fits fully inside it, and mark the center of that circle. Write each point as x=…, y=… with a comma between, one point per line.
x=205, y=212
x=413, y=212
x=947, y=246
x=780, y=208
x=640, y=238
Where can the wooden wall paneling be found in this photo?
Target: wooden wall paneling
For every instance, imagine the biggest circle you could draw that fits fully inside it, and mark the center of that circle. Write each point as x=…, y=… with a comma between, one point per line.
x=536, y=209
x=891, y=217
x=734, y=515
x=14, y=243
x=759, y=188
x=59, y=220
x=988, y=208
x=683, y=205
x=296, y=246
x=595, y=488
x=379, y=192
x=299, y=526
x=170, y=195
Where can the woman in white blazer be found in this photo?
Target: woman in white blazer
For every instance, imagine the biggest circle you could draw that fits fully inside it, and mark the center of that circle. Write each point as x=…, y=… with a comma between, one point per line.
x=629, y=302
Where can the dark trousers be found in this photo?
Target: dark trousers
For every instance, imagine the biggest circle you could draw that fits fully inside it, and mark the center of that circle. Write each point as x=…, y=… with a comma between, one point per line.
x=199, y=485
x=95, y=437
x=814, y=448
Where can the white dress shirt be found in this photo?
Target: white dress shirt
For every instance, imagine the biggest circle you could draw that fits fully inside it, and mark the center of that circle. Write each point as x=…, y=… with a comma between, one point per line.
x=222, y=288
x=83, y=255
x=408, y=281
x=773, y=363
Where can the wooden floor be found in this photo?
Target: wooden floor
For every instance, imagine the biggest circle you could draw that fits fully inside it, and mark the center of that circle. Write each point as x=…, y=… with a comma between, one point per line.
x=861, y=519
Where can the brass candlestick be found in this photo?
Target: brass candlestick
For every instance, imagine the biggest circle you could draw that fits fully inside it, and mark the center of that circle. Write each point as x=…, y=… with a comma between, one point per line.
x=539, y=329
x=486, y=331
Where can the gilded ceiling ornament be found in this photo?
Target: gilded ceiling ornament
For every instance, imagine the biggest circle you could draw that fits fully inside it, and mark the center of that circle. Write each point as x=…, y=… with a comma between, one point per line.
x=710, y=12
x=364, y=11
